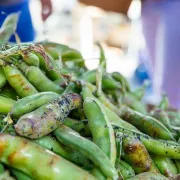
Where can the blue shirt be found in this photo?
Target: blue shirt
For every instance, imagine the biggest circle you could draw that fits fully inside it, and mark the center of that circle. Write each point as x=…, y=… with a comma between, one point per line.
x=25, y=28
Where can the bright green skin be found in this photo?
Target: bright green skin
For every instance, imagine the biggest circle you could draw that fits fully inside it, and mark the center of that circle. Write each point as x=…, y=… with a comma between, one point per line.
x=2, y=78
x=30, y=103
x=158, y=147
x=1, y=168
x=52, y=74
x=17, y=80
x=72, y=139
x=48, y=117
x=120, y=78
x=109, y=83
x=80, y=126
x=87, y=92
x=137, y=156
x=131, y=101
x=9, y=92
x=146, y=124
x=20, y=175
x=74, y=56
x=5, y=104
x=39, y=79
x=162, y=116
x=67, y=54
x=89, y=76
x=125, y=170
x=148, y=176
x=102, y=131
x=37, y=162
x=112, y=116
x=165, y=165
x=51, y=144
x=31, y=59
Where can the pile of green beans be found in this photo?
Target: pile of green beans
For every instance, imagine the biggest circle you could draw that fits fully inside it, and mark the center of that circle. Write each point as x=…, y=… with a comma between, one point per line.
x=59, y=120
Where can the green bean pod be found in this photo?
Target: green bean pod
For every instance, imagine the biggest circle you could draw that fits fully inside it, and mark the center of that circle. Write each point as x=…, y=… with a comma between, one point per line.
x=125, y=170
x=109, y=83
x=149, y=176
x=9, y=92
x=159, y=147
x=30, y=103
x=112, y=116
x=137, y=155
x=2, y=78
x=37, y=162
x=162, y=116
x=17, y=80
x=131, y=101
x=72, y=139
x=38, y=79
x=80, y=126
x=102, y=131
x=146, y=124
x=165, y=165
x=31, y=59
x=51, y=144
x=20, y=175
x=89, y=76
x=120, y=78
x=5, y=104
x=48, y=117
x=140, y=92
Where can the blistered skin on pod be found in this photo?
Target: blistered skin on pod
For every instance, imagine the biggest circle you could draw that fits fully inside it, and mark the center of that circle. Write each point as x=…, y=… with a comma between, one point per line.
x=48, y=117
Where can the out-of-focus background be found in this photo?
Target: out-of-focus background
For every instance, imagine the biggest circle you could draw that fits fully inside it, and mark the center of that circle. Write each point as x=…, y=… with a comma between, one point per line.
x=80, y=25
x=140, y=37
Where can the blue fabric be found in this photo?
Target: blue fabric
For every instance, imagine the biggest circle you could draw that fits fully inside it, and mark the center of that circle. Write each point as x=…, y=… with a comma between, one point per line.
x=25, y=28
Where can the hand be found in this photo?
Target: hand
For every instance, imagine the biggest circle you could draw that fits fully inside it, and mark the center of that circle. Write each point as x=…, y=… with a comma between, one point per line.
x=46, y=9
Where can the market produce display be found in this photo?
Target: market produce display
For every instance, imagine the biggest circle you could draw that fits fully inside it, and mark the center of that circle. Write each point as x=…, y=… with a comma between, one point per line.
x=59, y=120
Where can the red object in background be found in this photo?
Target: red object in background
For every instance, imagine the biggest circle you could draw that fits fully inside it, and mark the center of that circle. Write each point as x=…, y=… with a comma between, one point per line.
x=120, y=6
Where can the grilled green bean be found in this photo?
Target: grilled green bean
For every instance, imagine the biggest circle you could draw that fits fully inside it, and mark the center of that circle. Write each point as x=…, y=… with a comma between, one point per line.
x=48, y=117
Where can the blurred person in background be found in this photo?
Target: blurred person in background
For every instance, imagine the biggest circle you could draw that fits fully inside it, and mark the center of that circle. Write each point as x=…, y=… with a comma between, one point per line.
x=25, y=29
x=161, y=29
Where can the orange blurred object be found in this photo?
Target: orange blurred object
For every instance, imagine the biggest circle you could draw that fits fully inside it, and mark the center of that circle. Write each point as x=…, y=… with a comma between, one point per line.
x=120, y=6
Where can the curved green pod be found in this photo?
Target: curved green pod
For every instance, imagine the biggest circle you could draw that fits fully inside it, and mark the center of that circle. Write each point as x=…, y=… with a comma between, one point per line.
x=48, y=117
x=37, y=162
x=6, y=104
x=146, y=124
x=30, y=103
x=72, y=139
x=165, y=165
x=17, y=80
